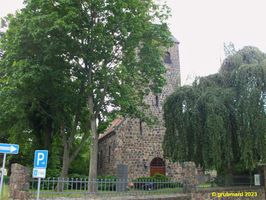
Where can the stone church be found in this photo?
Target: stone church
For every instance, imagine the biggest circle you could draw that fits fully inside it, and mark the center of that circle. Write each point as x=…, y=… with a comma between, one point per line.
x=133, y=143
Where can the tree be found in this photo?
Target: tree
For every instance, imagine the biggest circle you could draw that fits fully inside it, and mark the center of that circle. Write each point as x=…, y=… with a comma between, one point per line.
x=229, y=49
x=41, y=94
x=92, y=55
x=3, y=134
x=219, y=122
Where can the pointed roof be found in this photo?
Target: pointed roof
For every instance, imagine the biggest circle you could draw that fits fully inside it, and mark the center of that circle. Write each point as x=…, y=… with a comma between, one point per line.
x=174, y=39
x=112, y=127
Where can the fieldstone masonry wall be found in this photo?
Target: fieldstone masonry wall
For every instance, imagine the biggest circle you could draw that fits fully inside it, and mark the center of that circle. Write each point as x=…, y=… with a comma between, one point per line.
x=136, y=144
x=106, y=164
x=19, y=182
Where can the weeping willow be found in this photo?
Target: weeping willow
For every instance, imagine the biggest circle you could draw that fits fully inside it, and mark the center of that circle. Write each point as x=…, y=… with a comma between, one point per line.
x=220, y=121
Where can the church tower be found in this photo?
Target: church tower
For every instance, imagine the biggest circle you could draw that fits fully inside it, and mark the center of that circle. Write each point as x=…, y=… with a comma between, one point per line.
x=133, y=143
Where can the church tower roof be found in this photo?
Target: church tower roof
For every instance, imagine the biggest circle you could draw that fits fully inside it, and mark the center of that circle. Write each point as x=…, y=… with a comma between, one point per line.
x=174, y=39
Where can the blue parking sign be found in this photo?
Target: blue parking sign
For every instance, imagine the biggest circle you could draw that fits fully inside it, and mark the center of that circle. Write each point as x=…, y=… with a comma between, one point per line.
x=40, y=159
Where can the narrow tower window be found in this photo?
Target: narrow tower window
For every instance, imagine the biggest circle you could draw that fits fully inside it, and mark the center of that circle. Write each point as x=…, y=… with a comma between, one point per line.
x=140, y=127
x=156, y=101
x=101, y=159
x=109, y=154
x=167, y=58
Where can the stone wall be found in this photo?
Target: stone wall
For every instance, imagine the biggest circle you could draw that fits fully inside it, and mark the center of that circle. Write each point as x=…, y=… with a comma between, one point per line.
x=139, y=143
x=19, y=182
x=106, y=161
x=136, y=144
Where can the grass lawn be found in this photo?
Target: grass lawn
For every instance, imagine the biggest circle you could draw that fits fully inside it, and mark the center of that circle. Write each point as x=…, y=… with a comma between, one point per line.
x=79, y=194
x=71, y=193
x=5, y=192
x=205, y=185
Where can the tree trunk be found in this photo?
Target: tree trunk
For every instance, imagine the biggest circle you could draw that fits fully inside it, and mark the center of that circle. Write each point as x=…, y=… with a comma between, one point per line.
x=228, y=176
x=93, y=151
x=48, y=136
x=66, y=162
x=65, y=167
x=48, y=139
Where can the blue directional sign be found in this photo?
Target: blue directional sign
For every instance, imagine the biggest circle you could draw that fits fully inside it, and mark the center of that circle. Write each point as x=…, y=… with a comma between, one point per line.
x=40, y=159
x=9, y=148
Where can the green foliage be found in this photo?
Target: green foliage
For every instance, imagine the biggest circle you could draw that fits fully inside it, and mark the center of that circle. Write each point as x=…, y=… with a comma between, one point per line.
x=159, y=176
x=229, y=49
x=107, y=183
x=219, y=122
x=155, y=177
x=107, y=177
x=81, y=164
x=54, y=161
x=157, y=181
x=66, y=63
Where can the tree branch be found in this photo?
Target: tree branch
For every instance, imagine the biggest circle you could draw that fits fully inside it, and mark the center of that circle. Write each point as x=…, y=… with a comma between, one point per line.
x=83, y=140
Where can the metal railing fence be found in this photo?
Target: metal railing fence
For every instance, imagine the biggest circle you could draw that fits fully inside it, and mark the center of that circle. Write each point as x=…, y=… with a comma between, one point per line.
x=83, y=186
x=228, y=181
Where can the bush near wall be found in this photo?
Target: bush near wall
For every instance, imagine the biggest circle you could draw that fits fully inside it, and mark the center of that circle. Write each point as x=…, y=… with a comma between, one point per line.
x=158, y=181
x=107, y=183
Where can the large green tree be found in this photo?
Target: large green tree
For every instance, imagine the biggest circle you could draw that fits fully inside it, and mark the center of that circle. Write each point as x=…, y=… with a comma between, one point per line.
x=220, y=121
x=66, y=63
x=38, y=91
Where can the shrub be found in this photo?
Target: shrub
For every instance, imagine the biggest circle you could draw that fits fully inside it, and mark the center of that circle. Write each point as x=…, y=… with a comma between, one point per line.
x=157, y=181
x=77, y=182
x=107, y=183
x=6, y=180
x=79, y=176
x=162, y=177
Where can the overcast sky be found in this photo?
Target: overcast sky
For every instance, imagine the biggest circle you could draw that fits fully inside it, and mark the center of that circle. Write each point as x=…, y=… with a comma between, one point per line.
x=202, y=27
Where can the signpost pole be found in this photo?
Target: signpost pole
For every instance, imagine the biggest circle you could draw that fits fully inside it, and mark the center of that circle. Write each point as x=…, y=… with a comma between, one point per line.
x=39, y=169
x=2, y=174
x=39, y=187
x=6, y=149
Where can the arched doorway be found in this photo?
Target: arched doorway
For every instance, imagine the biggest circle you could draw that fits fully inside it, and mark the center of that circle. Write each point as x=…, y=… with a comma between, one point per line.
x=157, y=166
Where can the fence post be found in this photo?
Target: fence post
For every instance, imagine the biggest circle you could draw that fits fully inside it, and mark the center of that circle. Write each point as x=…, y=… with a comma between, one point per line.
x=188, y=187
x=264, y=175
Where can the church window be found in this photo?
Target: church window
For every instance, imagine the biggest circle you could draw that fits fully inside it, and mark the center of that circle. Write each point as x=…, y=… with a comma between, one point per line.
x=98, y=160
x=167, y=58
x=109, y=154
x=156, y=101
x=100, y=157
x=140, y=127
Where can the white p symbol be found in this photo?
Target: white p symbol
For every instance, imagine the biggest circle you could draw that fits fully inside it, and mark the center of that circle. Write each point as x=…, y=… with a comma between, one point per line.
x=40, y=157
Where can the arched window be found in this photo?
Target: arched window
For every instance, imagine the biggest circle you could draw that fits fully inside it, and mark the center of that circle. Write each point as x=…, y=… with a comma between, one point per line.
x=167, y=58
